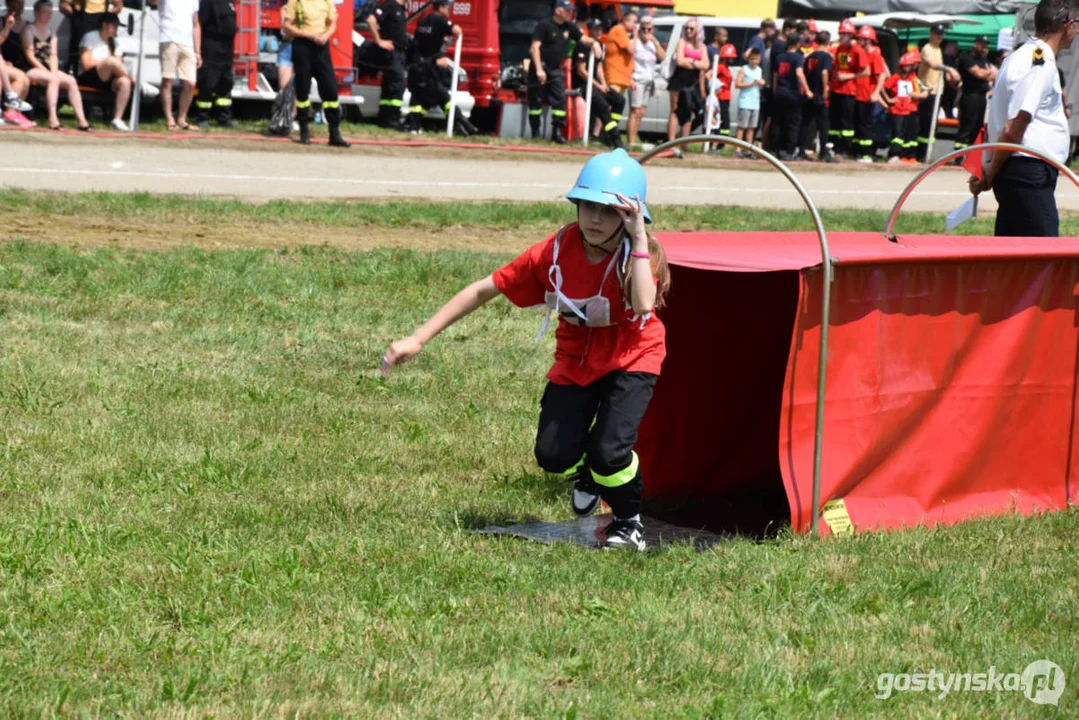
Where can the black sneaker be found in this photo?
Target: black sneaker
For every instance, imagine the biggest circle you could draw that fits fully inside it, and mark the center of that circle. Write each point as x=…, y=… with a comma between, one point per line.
x=585, y=496
x=558, y=138
x=625, y=534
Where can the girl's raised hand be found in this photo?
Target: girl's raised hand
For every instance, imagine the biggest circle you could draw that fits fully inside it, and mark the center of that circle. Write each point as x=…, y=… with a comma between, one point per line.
x=401, y=351
x=632, y=214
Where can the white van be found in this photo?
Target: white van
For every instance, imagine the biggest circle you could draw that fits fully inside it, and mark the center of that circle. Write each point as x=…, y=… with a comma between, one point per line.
x=669, y=29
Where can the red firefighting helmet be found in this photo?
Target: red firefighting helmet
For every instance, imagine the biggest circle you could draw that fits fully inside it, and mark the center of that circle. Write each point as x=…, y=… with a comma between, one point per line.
x=867, y=33
x=911, y=57
x=812, y=26
x=846, y=27
x=727, y=52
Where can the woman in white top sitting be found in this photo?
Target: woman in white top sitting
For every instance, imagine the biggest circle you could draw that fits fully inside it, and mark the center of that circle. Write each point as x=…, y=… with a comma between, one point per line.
x=39, y=44
x=102, y=66
x=645, y=58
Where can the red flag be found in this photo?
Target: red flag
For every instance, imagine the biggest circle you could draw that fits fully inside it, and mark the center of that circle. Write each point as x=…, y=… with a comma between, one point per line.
x=972, y=162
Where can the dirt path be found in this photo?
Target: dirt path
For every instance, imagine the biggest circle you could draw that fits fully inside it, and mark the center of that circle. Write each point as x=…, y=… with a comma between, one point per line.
x=100, y=232
x=263, y=170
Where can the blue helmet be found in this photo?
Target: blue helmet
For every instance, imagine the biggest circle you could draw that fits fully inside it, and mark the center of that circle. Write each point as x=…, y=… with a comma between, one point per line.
x=609, y=174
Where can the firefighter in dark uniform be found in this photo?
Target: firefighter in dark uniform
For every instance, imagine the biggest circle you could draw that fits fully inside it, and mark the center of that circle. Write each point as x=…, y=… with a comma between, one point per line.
x=605, y=102
x=429, y=69
x=311, y=24
x=218, y=21
x=546, y=81
x=388, y=25
x=977, y=76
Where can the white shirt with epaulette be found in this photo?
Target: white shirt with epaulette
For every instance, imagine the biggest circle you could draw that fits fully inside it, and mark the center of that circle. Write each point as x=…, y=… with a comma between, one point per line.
x=1029, y=81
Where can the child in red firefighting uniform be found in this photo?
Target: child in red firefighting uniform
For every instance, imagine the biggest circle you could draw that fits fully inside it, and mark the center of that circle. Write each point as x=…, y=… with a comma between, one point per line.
x=903, y=92
x=727, y=53
x=604, y=276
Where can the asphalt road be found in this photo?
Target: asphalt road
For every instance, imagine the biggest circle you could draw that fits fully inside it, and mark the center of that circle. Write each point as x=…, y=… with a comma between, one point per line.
x=260, y=170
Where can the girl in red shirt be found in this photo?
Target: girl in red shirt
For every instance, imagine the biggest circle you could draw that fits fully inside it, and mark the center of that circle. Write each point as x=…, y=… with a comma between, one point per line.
x=903, y=92
x=604, y=276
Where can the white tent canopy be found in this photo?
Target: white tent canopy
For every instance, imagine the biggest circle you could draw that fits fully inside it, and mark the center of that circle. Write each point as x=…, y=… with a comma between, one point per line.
x=955, y=7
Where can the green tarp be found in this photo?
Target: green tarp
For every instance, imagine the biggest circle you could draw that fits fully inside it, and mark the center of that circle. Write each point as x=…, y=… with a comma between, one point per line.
x=989, y=25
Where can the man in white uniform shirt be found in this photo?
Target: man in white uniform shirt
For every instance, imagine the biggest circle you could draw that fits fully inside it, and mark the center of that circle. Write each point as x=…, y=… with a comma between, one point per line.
x=181, y=44
x=1027, y=109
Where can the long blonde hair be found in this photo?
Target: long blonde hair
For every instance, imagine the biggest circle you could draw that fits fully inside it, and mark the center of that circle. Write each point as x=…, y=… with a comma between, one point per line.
x=660, y=269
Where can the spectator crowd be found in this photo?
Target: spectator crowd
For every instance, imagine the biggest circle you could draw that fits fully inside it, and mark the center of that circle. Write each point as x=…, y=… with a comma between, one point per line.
x=796, y=90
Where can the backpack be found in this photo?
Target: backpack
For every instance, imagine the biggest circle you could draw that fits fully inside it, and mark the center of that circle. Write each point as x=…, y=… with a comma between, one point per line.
x=281, y=122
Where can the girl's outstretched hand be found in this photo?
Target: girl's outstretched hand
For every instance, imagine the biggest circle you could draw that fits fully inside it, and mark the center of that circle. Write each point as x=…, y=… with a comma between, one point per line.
x=401, y=351
x=632, y=214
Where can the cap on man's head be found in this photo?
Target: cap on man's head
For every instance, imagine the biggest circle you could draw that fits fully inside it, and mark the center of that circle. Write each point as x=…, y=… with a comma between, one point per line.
x=595, y=23
x=983, y=39
x=565, y=5
x=937, y=29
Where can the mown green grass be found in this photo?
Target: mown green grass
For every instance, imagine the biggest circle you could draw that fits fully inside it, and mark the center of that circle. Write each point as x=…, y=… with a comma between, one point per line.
x=212, y=505
x=529, y=216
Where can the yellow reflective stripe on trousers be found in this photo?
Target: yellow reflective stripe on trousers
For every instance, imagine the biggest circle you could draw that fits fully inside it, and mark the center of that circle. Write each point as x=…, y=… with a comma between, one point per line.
x=536, y=111
x=558, y=113
x=330, y=104
x=392, y=103
x=203, y=105
x=620, y=478
x=223, y=102
x=303, y=103
x=572, y=470
x=610, y=126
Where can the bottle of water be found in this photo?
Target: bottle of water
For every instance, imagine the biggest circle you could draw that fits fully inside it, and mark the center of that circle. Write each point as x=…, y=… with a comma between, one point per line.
x=318, y=117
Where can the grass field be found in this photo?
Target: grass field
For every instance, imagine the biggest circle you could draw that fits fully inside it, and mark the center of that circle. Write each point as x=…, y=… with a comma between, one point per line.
x=213, y=506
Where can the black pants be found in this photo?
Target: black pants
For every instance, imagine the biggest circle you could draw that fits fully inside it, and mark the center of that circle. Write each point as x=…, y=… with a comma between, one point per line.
x=597, y=422
x=814, y=111
x=607, y=108
x=428, y=86
x=1024, y=189
x=971, y=118
x=842, y=123
x=724, y=117
x=904, y=136
x=786, y=122
x=81, y=23
x=552, y=92
x=925, y=122
x=394, y=77
x=215, y=79
x=312, y=61
x=863, y=129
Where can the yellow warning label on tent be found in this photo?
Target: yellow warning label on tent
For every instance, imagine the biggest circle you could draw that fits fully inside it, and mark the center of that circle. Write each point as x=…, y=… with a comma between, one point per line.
x=836, y=516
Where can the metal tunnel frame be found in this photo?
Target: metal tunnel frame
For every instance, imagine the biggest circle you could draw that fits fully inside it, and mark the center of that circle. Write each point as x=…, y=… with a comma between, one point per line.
x=890, y=227
x=826, y=303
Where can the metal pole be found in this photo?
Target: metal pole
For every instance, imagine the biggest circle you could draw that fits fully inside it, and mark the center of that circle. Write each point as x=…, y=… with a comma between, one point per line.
x=827, y=263
x=136, y=97
x=711, y=103
x=453, y=87
x=889, y=229
x=933, y=120
x=588, y=97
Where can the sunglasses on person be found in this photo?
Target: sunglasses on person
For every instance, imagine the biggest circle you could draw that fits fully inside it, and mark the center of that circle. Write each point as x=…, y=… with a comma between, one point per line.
x=691, y=30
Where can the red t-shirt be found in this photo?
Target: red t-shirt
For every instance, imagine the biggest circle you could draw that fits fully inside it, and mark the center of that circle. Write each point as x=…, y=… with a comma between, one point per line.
x=901, y=87
x=868, y=84
x=850, y=58
x=723, y=73
x=584, y=355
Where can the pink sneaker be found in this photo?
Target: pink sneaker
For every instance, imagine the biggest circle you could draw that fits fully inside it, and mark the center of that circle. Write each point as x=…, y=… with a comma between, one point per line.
x=17, y=118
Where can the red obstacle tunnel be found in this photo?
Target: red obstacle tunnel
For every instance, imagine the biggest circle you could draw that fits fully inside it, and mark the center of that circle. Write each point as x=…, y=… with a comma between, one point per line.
x=951, y=380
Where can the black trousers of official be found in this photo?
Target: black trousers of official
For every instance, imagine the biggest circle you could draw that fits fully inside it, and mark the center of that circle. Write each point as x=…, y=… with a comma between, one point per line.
x=814, y=112
x=842, y=122
x=786, y=122
x=904, y=136
x=214, y=79
x=312, y=61
x=428, y=87
x=1025, y=191
x=607, y=108
x=925, y=122
x=971, y=118
x=597, y=422
x=552, y=92
x=863, y=129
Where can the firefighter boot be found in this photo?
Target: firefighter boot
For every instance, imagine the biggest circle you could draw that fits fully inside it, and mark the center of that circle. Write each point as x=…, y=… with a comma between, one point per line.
x=305, y=128
x=335, y=137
